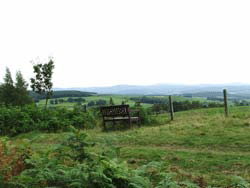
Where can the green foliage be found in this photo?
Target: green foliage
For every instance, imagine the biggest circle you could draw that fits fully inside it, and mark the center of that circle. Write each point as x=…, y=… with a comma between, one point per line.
x=21, y=87
x=8, y=79
x=179, y=105
x=150, y=100
x=7, y=90
x=62, y=94
x=13, y=121
x=101, y=102
x=91, y=103
x=144, y=114
x=14, y=95
x=71, y=93
x=199, y=143
x=42, y=82
x=16, y=120
x=78, y=100
x=167, y=182
x=239, y=182
x=111, y=102
x=86, y=169
x=52, y=102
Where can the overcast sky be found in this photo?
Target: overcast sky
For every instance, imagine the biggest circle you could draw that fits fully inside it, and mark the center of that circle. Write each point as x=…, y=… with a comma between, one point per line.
x=104, y=43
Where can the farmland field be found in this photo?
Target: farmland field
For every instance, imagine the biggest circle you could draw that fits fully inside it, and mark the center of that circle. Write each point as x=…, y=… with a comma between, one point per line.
x=117, y=99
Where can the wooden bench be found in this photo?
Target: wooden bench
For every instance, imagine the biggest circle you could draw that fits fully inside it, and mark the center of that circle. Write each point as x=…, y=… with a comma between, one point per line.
x=119, y=113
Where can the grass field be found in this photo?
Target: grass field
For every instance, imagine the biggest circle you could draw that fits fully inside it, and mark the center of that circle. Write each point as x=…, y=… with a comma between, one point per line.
x=199, y=146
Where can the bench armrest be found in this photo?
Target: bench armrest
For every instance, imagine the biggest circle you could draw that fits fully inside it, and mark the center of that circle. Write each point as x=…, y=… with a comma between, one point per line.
x=136, y=112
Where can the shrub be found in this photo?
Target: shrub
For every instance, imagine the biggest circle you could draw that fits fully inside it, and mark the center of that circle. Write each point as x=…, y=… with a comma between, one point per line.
x=16, y=120
x=91, y=103
x=101, y=102
x=145, y=116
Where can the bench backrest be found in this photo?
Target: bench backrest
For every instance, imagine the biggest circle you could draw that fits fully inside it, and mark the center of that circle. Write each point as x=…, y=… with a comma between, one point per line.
x=114, y=111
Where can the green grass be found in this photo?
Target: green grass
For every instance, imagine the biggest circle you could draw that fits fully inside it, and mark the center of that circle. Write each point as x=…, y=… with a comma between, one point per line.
x=198, y=143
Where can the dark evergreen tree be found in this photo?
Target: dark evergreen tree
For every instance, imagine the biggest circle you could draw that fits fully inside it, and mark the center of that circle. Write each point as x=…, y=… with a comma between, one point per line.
x=111, y=102
x=22, y=94
x=8, y=90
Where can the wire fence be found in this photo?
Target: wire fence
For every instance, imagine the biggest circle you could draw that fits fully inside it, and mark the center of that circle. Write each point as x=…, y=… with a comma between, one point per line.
x=224, y=102
x=235, y=105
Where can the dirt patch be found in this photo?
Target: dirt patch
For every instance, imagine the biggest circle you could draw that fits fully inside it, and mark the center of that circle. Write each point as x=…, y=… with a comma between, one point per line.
x=13, y=160
x=200, y=181
x=174, y=169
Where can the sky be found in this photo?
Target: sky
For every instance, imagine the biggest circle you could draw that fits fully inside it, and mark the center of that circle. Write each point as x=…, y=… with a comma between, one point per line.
x=136, y=42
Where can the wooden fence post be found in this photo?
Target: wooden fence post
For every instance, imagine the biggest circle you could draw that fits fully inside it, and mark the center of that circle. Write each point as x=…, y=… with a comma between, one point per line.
x=225, y=102
x=171, y=107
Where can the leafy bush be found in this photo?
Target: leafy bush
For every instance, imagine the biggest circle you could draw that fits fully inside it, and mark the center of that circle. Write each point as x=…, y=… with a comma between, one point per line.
x=101, y=102
x=91, y=103
x=144, y=115
x=16, y=120
x=239, y=182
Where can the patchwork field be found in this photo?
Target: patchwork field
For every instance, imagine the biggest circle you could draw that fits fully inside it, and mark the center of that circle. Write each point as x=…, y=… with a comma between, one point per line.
x=117, y=99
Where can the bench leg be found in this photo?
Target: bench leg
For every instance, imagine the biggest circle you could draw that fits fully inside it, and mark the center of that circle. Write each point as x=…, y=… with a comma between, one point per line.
x=113, y=125
x=104, y=125
x=139, y=120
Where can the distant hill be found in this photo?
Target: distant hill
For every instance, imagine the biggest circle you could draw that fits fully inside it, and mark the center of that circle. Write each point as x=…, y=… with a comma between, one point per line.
x=219, y=95
x=167, y=89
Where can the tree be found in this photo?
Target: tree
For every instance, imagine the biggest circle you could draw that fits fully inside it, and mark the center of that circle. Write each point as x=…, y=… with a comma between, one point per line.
x=101, y=102
x=61, y=101
x=111, y=102
x=91, y=103
x=52, y=101
x=42, y=83
x=8, y=79
x=8, y=89
x=156, y=108
x=70, y=100
x=22, y=94
x=14, y=94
